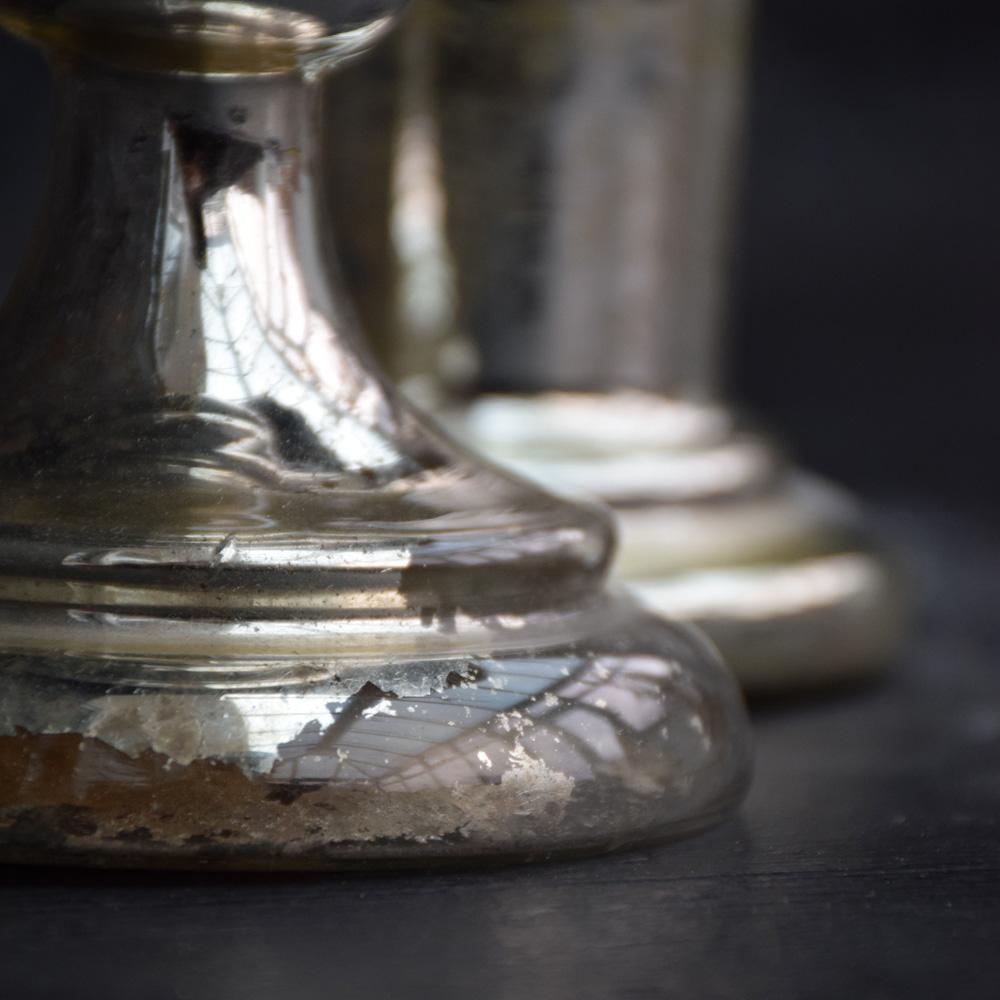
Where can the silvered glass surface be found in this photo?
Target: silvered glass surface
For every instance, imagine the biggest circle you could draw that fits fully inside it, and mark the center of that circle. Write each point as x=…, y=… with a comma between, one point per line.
x=256, y=610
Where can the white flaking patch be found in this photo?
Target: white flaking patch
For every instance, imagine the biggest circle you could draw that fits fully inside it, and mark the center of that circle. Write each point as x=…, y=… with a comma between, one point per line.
x=383, y=707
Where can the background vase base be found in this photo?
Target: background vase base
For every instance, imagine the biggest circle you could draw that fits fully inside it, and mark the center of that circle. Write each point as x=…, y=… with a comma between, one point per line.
x=800, y=624
x=777, y=567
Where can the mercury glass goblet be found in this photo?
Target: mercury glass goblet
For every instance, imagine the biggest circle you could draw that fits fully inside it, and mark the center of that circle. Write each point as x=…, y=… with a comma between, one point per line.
x=585, y=155
x=256, y=611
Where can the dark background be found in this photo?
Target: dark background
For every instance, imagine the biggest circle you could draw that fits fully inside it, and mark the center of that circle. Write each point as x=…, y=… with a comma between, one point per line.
x=867, y=297
x=866, y=290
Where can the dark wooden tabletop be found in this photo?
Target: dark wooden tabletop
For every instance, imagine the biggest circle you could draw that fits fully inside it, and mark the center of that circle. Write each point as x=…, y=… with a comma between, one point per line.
x=865, y=864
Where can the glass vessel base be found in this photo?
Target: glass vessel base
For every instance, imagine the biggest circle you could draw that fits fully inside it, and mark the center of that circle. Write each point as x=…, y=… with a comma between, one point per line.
x=629, y=735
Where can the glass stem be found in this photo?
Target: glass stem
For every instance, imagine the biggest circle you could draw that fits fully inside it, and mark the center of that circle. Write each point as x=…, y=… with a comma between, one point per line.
x=196, y=200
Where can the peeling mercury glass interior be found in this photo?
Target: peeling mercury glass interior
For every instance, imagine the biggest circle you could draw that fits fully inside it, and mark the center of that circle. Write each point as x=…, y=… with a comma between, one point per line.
x=255, y=610
x=562, y=213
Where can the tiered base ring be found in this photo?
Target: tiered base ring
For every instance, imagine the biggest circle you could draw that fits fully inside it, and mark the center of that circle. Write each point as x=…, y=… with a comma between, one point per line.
x=777, y=567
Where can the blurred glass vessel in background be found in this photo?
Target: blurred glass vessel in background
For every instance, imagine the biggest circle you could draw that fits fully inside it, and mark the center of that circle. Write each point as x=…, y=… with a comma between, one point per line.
x=255, y=610
x=564, y=179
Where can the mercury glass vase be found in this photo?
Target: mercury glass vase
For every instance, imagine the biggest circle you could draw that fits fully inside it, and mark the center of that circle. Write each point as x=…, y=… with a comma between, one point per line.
x=256, y=611
x=585, y=153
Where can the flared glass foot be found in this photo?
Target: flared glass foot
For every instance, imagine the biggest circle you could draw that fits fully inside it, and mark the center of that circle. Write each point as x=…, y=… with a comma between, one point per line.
x=630, y=733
